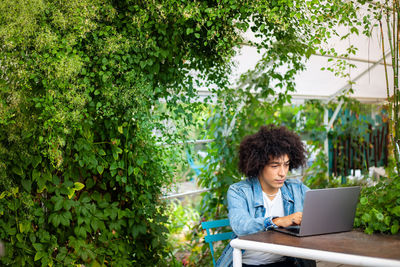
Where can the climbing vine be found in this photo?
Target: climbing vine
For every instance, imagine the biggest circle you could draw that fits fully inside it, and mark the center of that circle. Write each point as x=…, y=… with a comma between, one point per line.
x=81, y=82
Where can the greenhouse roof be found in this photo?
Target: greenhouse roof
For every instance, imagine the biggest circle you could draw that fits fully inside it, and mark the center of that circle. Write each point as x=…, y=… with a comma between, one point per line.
x=368, y=77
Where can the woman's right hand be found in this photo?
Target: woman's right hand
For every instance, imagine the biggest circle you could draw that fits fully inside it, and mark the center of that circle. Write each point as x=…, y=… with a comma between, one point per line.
x=292, y=219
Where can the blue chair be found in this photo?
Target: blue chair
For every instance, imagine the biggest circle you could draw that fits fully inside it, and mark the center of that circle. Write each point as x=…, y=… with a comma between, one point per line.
x=197, y=168
x=210, y=238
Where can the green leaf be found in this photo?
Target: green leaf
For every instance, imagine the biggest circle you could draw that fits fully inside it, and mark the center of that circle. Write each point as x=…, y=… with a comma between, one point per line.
x=364, y=200
x=18, y=171
x=394, y=229
x=113, y=166
x=379, y=216
x=36, y=160
x=32, y=237
x=27, y=184
x=121, y=164
x=59, y=204
x=366, y=217
x=62, y=253
x=369, y=230
x=3, y=194
x=80, y=220
x=41, y=189
x=78, y=186
x=396, y=210
x=39, y=255
x=64, y=220
x=80, y=231
x=387, y=220
x=12, y=231
x=67, y=204
x=94, y=224
x=21, y=227
x=130, y=170
x=35, y=175
x=398, y=186
x=38, y=246
x=19, y=238
x=56, y=220
x=85, y=199
x=100, y=169
x=47, y=176
x=354, y=30
x=41, y=182
x=67, y=215
x=71, y=192
x=102, y=152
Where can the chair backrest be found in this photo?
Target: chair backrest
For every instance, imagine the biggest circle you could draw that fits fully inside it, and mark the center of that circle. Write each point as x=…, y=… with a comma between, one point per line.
x=210, y=238
x=197, y=168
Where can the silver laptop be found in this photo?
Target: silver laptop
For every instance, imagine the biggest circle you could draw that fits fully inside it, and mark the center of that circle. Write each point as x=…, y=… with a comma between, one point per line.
x=325, y=211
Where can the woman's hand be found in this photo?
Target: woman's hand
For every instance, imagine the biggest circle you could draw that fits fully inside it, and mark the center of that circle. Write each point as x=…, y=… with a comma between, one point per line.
x=292, y=219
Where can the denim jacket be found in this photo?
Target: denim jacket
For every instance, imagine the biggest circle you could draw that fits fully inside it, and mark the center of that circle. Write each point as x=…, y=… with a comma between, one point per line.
x=247, y=211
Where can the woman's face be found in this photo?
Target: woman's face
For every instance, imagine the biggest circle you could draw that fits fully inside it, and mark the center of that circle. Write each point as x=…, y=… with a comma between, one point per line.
x=274, y=174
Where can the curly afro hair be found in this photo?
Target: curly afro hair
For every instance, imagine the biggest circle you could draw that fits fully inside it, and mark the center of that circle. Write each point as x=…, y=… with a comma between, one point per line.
x=268, y=143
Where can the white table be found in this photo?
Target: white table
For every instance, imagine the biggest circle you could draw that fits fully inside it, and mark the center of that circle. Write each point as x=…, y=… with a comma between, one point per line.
x=354, y=248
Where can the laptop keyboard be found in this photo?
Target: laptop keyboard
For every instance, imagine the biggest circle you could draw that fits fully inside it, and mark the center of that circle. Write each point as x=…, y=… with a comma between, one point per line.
x=293, y=230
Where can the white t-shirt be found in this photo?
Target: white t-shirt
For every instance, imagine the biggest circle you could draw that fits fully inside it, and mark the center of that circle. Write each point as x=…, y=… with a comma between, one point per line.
x=272, y=208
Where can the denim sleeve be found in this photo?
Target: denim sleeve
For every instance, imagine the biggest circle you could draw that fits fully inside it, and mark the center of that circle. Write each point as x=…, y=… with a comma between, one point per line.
x=241, y=221
x=268, y=224
x=298, y=191
x=304, y=189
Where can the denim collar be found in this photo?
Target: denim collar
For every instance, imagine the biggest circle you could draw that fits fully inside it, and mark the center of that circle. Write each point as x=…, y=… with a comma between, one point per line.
x=258, y=197
x=286, y=195
x=257, y=192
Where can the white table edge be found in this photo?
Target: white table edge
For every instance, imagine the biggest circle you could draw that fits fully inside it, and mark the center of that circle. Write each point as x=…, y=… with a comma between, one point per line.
x=342, y=258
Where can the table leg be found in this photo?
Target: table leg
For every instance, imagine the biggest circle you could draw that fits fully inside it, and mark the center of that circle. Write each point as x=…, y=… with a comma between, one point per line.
x=237, y=257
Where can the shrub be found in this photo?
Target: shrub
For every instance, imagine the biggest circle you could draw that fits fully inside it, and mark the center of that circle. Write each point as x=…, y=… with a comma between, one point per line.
x=379, y=207
x=80, y=81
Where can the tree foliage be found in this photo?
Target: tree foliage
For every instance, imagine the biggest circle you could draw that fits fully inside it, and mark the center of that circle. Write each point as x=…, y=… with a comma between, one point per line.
x=296, y=31
x=80, y=83
x=286, y=33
